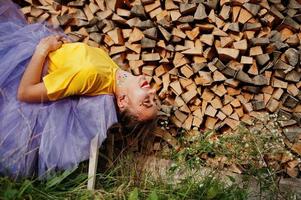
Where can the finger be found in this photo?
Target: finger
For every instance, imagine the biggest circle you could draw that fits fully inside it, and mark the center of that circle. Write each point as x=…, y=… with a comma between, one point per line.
x=60, y=43
x=58, y=37
x=53, y=36
x=58, y=40
x=65, y=40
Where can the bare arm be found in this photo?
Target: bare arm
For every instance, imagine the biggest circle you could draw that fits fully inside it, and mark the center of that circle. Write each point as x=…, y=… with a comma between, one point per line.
x=31, y=87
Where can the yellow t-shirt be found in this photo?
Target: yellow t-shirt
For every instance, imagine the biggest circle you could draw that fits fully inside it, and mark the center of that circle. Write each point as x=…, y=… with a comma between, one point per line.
x=78, y=69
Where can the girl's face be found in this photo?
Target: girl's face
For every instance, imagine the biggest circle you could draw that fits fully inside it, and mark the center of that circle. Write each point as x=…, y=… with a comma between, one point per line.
x=140, y=98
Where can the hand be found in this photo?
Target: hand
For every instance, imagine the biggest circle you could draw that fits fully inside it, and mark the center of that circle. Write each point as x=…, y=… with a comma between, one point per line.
x=50, y=43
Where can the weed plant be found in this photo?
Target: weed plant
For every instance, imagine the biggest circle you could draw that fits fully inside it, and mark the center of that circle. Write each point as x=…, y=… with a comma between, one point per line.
x=245, y=149
x=252, y=152
x=122, y=181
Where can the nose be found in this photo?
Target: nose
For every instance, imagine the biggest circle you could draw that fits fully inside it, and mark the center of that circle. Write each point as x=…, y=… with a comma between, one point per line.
x=142, y=77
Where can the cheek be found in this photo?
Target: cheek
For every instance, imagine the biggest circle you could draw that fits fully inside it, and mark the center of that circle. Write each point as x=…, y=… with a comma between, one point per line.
x=133, y=82
x=136, y=94
x=134, y=100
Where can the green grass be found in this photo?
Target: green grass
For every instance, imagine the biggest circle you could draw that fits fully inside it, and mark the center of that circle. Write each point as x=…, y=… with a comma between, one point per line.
x=119, y=182
x=123, y=181
x=253, y=151
x=68, y=185
x=243, y=147
x=247, y=149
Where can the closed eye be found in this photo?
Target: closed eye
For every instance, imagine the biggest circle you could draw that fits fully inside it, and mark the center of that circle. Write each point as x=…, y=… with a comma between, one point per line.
x=147, y=103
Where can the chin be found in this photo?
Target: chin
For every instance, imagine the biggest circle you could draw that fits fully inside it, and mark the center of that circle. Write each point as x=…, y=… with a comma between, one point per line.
x=151, y=117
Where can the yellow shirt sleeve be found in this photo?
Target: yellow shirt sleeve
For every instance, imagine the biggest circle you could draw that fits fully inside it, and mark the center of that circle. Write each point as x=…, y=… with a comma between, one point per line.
x=78, y=69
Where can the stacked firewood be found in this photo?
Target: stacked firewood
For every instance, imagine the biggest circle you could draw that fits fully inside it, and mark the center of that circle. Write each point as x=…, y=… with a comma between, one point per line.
x=214, y=63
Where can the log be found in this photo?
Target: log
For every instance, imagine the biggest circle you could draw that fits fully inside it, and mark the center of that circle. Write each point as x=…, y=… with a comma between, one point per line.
x=228, y=53
x=187, y=71
x=220, y=115
x=64, y=19
x=258, y=105
x=207, y=39
x=170, y=5
x=117, y=36
x=279, y=84
x=210, y=123
x=210, y=111
x=193, y=33
x=175, y=15
x=233, y=124
x=204, y=78
x=244, y=16
x=290, y=101
x=193, y=51
x=262, y=59
x=165, y=33
x=187, y=8
x=225, y=12
x=292, y=56
x=200, y=12
x=252, y=8
x=117, y=49
x=255, y=51
x=151, y=33
x=246, y=60
x=148, y=43
x=216, y=61
x=189, y=95
x=180, y=116
x=136, y=35
x=151, y=57
x=241, y=45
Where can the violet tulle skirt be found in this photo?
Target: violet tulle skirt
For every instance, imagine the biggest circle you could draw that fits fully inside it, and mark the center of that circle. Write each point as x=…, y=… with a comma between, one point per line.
x=38, y=139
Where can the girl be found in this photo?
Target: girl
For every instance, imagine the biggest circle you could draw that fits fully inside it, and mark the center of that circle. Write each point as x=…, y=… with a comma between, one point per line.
x=78, y=69
x=47, y=119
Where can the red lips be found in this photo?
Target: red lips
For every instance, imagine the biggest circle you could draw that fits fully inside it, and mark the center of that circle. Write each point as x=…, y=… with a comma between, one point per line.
x=145, y=84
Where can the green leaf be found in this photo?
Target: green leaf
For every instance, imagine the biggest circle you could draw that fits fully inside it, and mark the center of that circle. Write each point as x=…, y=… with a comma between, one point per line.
x=133, y=194
x=26, y=185
x=59, y=178
x=153, y=196
x=10, y=193
x=232, y=179
x=212, y=192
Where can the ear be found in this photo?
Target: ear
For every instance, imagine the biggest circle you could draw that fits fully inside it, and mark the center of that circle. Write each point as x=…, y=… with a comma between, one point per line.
x=122, y=102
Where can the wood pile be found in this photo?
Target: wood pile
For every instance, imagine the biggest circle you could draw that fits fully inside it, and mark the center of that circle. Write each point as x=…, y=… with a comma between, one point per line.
x=214, y=63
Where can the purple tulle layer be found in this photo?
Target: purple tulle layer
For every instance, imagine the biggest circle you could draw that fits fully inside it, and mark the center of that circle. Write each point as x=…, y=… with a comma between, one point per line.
x=38, y=139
